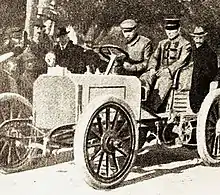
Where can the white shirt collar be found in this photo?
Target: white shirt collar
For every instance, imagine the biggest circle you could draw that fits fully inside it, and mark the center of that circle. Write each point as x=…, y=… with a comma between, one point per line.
x=63, y=46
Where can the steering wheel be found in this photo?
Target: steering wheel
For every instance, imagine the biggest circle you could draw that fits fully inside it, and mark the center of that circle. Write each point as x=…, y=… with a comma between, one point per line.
x=110, y=52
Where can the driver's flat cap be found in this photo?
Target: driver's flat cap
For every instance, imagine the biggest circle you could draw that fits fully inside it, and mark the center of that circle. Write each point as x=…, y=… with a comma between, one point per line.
x=128, y=24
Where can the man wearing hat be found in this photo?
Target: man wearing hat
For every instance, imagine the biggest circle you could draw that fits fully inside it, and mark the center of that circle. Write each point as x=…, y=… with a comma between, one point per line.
x=170, y=55
x=40, y=45
x=138, y=47
x=68, y=54
x=204, y=70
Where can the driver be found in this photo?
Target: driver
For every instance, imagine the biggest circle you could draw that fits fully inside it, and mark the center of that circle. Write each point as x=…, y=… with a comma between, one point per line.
x=138, y=47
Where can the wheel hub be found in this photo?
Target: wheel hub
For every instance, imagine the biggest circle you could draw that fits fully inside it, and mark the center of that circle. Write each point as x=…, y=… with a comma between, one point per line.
x=217, y=129
x=109, y=141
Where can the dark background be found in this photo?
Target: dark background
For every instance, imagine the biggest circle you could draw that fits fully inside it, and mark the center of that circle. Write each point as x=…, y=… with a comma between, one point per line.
x=94, y=19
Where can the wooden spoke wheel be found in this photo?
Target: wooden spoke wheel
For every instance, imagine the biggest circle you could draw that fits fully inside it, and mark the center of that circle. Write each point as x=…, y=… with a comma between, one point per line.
x=106, y=143
x=208, y=129
x=14, y=106
x=15, y=131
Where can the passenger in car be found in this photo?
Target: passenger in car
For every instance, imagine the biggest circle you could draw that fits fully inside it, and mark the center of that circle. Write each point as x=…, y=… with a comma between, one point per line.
x=170, y=55
x=205, y=68
x=138, y=47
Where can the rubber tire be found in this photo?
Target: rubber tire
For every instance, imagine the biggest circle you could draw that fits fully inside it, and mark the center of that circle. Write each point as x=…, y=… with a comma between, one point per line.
x=201, y=127
x=81, y=128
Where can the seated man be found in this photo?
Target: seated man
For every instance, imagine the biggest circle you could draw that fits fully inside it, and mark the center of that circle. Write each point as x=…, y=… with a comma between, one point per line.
x=171, y=55
x=204, y=71
x=138, y=47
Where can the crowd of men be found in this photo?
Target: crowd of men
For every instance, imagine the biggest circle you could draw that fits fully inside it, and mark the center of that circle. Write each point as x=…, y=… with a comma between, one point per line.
x=155, y=69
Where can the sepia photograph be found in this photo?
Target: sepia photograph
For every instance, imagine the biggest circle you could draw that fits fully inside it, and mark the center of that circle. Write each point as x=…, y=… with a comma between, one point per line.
x=118, y=97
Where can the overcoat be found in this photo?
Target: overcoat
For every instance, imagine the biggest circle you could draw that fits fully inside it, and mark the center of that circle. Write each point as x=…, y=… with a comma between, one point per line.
x=204, y=71
x=139, y=50
x=169, y=56
x=70, y=57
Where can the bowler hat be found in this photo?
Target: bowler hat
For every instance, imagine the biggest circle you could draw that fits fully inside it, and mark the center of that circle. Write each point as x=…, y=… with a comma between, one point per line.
x=62, y=31
x=172, y=23
x=199, y=32
x=39, y=23
x=128, y=24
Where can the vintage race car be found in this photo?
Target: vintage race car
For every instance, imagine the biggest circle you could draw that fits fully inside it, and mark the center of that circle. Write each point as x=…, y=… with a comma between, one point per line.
x=101, y=119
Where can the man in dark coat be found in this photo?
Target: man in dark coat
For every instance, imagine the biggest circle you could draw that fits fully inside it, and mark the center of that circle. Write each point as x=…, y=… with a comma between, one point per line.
x=68, y=54
x=40, y=45
x=204, y=71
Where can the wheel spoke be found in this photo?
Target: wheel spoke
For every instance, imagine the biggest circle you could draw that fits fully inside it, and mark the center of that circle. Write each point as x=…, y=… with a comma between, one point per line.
x=122, y=151
x=93, y=145
x=212, y=143
x=100, y=162
x=9, y=152
x=115, y=162
x=126, y=138
x=96, y=134
x=218, y=110
x=216, y=146
x=3, y=116
x=210, y=129
x=122, y=128
x=98, y=152
x=99, y=121
x=107, y=164
x=211, y=121
x=17, y=154
x=107, y=115
x=3, y=148
x=19, y=113
x=115, y=120
x=210, y=137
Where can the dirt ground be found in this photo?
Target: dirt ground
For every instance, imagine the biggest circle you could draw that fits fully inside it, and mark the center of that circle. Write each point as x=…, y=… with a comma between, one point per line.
x=160, y=171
